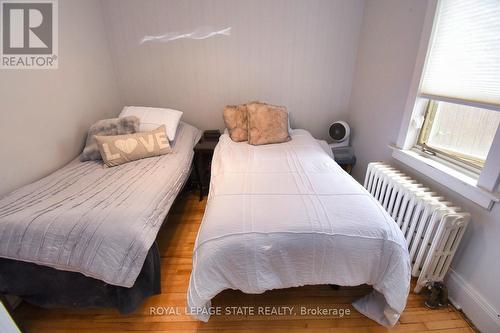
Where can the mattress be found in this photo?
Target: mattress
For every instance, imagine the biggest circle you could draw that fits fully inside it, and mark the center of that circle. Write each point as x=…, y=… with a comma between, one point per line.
x=95, y=220
x=286, y=215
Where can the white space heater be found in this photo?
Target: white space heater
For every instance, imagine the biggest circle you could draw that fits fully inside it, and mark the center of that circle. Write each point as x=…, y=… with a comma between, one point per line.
x=432, y=226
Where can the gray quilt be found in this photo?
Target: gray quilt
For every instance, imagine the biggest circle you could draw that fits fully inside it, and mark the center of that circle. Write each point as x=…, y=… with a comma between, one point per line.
x=94, y=220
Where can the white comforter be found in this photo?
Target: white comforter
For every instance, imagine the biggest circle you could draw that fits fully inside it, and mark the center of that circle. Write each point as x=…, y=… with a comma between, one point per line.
x=286, y=215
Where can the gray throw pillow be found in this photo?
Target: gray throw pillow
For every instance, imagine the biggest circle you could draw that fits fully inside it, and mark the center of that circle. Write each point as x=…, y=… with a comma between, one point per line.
x=114, y=126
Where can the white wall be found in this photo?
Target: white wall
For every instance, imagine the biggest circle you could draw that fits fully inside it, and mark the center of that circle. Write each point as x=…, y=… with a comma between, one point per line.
x=7, y=324
x=289, y=52
x=387, y=53
x=44, y=114
x=388, y=47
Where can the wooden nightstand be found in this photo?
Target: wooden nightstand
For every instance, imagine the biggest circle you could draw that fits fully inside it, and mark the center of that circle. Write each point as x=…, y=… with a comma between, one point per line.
x=203, y=153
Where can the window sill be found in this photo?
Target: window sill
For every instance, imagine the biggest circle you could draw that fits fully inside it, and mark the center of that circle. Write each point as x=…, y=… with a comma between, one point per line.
x=457, y=181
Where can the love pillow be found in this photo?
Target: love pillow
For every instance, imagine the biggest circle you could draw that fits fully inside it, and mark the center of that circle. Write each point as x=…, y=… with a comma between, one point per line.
x=119, y=149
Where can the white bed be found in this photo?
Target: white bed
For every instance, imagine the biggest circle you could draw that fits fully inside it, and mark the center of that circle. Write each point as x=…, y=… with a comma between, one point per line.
x=286, y=215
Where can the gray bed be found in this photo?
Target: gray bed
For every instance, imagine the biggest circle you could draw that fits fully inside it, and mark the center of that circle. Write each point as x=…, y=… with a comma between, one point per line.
x=99, y=223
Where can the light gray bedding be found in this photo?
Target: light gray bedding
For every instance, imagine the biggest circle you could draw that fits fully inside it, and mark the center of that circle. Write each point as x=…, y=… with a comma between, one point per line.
x=95, y=220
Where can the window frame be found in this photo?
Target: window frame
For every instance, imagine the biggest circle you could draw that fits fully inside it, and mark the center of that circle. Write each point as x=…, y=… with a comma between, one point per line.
x=474, y=165
x=480, y=187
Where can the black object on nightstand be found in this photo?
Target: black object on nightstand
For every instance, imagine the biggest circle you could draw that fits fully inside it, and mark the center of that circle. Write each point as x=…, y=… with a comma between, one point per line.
x=203, y=153
x=344, y=156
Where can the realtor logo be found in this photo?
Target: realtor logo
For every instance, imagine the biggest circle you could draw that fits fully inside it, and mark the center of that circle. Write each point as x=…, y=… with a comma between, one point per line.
x=29, y=34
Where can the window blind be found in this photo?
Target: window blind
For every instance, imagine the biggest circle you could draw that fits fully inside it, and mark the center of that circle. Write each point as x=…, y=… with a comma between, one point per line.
x=463, y=62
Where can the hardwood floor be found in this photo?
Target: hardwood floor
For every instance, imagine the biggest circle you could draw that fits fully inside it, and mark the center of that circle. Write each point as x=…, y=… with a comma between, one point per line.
x=176, y=240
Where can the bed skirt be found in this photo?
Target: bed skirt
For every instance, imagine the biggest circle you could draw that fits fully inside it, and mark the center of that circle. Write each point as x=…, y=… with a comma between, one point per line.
x=54, y=288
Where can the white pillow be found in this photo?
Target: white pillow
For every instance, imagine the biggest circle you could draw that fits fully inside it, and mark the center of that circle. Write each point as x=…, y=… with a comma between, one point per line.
x=152, y=118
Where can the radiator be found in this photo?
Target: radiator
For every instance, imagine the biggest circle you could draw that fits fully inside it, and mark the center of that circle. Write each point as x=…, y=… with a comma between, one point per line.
x=432, y=226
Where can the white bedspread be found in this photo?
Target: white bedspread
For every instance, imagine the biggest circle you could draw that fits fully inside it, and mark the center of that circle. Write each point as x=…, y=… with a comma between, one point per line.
x=94, y=220
x=287, y=215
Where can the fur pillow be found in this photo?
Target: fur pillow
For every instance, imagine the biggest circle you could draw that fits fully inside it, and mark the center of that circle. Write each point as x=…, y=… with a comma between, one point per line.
x=235, y=119
x=267, y=124
x=119, y=149
x=114, y=126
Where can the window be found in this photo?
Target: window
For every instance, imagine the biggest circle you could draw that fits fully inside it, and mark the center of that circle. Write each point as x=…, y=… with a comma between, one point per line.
x=459, y=133
x=463, y=63
x=450, y=131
